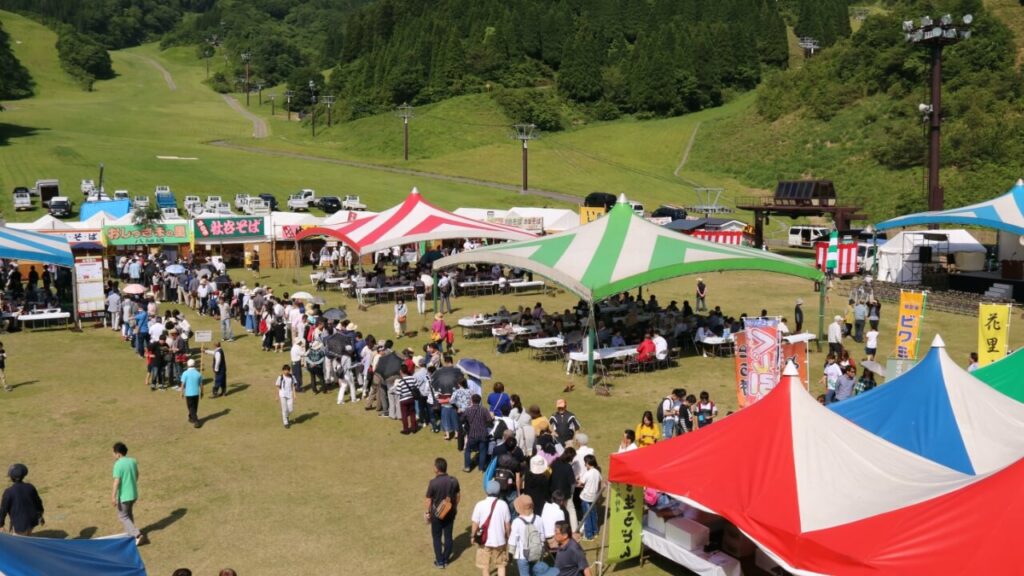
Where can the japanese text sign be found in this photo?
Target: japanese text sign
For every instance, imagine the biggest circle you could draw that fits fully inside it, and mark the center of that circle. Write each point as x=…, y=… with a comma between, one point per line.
x=908, y=323
x=625, y=522
x=222, y=228
x=993, y=332
x=155, y=233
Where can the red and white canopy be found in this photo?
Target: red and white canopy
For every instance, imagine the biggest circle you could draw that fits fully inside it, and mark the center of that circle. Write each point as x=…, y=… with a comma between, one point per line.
x=414, y=220
x=824, y=496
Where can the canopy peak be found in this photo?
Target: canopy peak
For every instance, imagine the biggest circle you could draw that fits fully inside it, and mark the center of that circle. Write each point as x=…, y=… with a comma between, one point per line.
x=622, y=198
x=415, y=190
x=938, y=342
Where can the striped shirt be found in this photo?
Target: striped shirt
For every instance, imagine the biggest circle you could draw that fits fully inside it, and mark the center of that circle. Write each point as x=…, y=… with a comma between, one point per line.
x=404, y=387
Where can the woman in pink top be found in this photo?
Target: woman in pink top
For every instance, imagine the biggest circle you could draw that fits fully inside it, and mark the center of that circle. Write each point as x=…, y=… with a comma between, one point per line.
x=438, y=328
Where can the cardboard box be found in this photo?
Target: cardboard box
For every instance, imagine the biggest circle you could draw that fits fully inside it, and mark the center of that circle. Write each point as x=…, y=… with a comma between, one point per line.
x=686, y=533
x=654, y=522
x=735, y=543
x=729, y=564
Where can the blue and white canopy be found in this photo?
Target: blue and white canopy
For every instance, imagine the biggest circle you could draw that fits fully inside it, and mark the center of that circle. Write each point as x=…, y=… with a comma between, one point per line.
x=28, y=556
x=941, y=412
x=1003, y=213
x=25, y=245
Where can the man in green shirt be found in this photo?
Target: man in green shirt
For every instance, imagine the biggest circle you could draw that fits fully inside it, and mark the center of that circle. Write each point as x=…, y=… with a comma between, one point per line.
x=125, y=492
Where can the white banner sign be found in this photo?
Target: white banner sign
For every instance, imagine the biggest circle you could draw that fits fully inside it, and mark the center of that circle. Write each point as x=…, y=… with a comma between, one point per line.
x=204, y=336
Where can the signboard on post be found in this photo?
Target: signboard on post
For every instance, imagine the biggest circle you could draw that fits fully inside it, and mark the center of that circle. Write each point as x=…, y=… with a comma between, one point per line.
x=993, y=332
x=138, y=235
x=908, y=323
x=762, y=352
x=204, y=336
x=228, y=228
x=89, y=278
x=626, y=508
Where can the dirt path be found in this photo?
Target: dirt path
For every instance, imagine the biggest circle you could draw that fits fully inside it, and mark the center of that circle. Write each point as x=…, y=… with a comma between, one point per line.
x=259, y=125
x=559, y=196
x=686, y=152
x=167, y=75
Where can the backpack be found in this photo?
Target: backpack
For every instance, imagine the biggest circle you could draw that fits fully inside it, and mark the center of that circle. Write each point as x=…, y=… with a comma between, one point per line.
x=660, y=414
x=533, y=544
x=505, y=478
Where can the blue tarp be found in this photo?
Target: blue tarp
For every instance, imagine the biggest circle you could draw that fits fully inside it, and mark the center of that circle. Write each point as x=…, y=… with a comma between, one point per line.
x=115, y=208
x=1003, y=213
x=30, y=556
x=25, y=245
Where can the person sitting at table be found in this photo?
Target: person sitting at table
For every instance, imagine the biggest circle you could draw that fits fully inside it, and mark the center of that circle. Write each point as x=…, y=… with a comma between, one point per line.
x=687, y=311
x=631, y=318
x=503, y=287
x=505, y=336
x=660, y=346
x=702, y=334
x=673, y=306
x=652, y=304
x=645, y=351
x=538, y=312
x=783, y=327
x=604, y=334
x=617, y=340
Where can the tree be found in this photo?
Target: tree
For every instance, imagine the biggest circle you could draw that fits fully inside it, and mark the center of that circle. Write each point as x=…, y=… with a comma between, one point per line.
x=298, y=83
x=580, y=75
x=15, y=81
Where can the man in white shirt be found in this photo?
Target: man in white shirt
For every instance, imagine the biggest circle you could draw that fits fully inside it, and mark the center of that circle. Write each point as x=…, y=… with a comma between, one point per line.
x=285, y=385
x=835, y=336
x=578, y=467
x=493, y=512
x=831, y=377
x=519, y=540
x=628, y=443
x=660, y=346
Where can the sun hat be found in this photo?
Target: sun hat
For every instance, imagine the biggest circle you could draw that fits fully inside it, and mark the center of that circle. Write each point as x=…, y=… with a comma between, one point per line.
x=837, y=318
x=493, y=488
x=191, y=363
x=538, y=465
x=799, y=301
x=560, y=403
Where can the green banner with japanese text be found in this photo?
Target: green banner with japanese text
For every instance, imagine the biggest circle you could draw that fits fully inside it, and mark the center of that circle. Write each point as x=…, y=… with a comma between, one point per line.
x=142, y=234
x=625, y=522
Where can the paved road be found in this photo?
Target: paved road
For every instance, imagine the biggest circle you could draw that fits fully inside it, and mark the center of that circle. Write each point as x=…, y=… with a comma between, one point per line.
x=167, y=75
x=259, y=126
x=559, y=196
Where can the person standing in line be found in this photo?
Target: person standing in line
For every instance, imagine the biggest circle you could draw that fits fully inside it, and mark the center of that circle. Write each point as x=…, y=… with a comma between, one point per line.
x=220, y=371
x=591, y=490
x=798, y=315
x=298, y=356
x=476, y=421
x=226, y=333
x=419, y=288
x=835, y=336
x=871, y=343
x=401, y=316
x=521, y=539
x=285, y=385
x=404, y=388
x=114, y=309
x=702, y=294
x=874, y=313
x=442, y=491
x=846, y=383
x=21, y=502
x=192, y=391
x=126, y=490
x=860, y=316
x=830, y=378
x=563, y=423
x=493, y=515
x=3, y=368
x=315, y=364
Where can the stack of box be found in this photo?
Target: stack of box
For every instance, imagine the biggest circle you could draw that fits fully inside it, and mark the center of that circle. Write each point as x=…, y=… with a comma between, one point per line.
x=686, y=533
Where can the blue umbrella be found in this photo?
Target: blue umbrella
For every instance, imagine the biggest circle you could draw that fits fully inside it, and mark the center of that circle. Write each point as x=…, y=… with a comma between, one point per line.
x=175, y=269
x=474, y=368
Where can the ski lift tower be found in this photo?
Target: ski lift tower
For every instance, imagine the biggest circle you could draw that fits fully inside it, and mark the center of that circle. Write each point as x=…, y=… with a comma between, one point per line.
x=708, y=202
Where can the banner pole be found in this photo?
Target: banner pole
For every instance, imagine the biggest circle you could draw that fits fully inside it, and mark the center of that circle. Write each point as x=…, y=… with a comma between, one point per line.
x=604, y=532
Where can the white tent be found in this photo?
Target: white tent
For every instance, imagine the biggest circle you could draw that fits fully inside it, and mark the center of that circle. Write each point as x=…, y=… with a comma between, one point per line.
x=46, y=222
x=482, y=214
x=343, y=216
x=293, y=221
x=95, y=222
x=554, y=219
x=900, y=259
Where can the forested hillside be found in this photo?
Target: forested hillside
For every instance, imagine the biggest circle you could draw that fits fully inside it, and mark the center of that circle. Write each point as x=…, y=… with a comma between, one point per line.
x=15, y=81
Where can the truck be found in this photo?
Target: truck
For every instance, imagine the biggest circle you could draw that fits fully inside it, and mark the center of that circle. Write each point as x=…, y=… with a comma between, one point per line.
x=122, y=195
x=352, y=203
x=87, y=186
x=60, y=207
x=162, y=189
x=241, y=200
x=22, y=199
x=140, y=202
x=212, y=202
x=303, y=200
x=166, y=199
x=256, y=207
x=46, y=190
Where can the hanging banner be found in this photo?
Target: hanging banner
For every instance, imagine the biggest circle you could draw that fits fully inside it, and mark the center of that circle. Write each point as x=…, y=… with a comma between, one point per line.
x=227, y=228
x=908, y=323
x=993, y=332
x=137, y=235
x=762, y=357
x=740, y=344
x=797, y=352
x=89, y=278
x=590, y=213
x=624, y=522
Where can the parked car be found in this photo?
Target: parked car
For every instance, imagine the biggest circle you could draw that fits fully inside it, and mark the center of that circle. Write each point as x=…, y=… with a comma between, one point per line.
x=140, y=202
x=87, y=186
x=60, y=207
x=212, y=202
x=637, y=207
x=121, y=195
x=669, y=211
x=600, y=200
x=352, y=203
x=303, y=200
x=166, y=199
x=162, y=190
x=22, y=199
x=241, y=200
x=271, y=201
x=805, y=236
x=329, y=204
x=170, y=213
x=97, y=195
x=46, y=190
x=256, y=207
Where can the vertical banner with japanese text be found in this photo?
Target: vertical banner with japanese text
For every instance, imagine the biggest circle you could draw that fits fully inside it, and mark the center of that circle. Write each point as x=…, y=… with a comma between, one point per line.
x=740, y=344
x=762, y=357
x=993, y=332
x=908, y=323
x=625, y=522
x=796, y=351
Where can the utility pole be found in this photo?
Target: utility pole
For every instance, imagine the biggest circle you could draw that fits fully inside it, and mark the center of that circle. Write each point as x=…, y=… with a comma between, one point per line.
x=312, y=92
x=936, y=35
x=246, y=56
x=405, y=113
x=288, y=102
x=329, y=100
x=273, y=97
x=259, y=89
x=524, y=133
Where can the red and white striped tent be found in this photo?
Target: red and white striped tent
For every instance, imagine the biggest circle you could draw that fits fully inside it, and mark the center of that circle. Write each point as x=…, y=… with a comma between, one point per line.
x=414, y=220
x=847, y=257
x=720, y=236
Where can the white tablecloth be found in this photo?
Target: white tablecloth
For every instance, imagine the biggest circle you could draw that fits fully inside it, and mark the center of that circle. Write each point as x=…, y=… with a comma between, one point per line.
x=474, y=322
x=700, y=562
x=385, y=290
x=600, y=354
x=546, y=343
x=526, y=285
x=802, y=337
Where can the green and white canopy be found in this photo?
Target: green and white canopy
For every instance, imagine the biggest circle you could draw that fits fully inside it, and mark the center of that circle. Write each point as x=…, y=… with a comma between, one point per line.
x=622, y=251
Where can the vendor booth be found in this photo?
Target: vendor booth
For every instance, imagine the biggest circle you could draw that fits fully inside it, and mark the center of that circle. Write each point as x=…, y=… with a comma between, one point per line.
x=910, y=256
x=167, y=237
x=285, y=226
x=230, y=237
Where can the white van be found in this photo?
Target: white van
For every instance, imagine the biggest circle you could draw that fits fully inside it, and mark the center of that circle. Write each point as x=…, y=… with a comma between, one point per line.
x=804, y=236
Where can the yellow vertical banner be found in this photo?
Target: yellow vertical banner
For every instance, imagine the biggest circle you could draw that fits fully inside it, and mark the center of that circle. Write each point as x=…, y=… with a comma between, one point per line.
x=625, y=522
x=590, y=213
x=993, y=332
x=908, y=323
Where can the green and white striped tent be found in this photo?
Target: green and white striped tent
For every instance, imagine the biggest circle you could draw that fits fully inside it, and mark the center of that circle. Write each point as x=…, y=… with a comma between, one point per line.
x=622, y=251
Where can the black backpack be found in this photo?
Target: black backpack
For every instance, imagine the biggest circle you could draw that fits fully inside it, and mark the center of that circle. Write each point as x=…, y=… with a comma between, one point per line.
x=660, y=413
x=505, y=478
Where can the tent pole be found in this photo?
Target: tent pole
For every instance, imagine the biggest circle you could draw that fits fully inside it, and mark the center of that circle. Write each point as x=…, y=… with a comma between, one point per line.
x=74, y=298
x=298, y=263
x=821, y=312
x=591, y=343
x=604, y=534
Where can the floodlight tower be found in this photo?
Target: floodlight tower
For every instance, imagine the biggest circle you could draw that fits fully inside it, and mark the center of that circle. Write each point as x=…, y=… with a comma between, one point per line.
x=273, y=98
x=259, y=90
x=288, y=102
x=405, y=113
x=329, y=100
x=312, y=93
x=936, y=35
x=524, y=133
x=246, y=56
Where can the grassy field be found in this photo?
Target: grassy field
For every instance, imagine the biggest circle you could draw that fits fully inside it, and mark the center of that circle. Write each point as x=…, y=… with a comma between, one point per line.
x=340, y=491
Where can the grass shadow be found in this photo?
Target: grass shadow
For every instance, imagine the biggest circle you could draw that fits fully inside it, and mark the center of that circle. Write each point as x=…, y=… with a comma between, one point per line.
x=25, y=383
x=460, y=544
x=57, y=534
x=159, y=525
x=86, y=533
x=9, y=132
x=305, y=417
x=214, y=416
x=236, y=388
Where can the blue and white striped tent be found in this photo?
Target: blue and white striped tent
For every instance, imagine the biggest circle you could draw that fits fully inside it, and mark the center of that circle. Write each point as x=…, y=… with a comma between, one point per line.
x=1003, y=213
x=941, y=412
x=25, y=245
